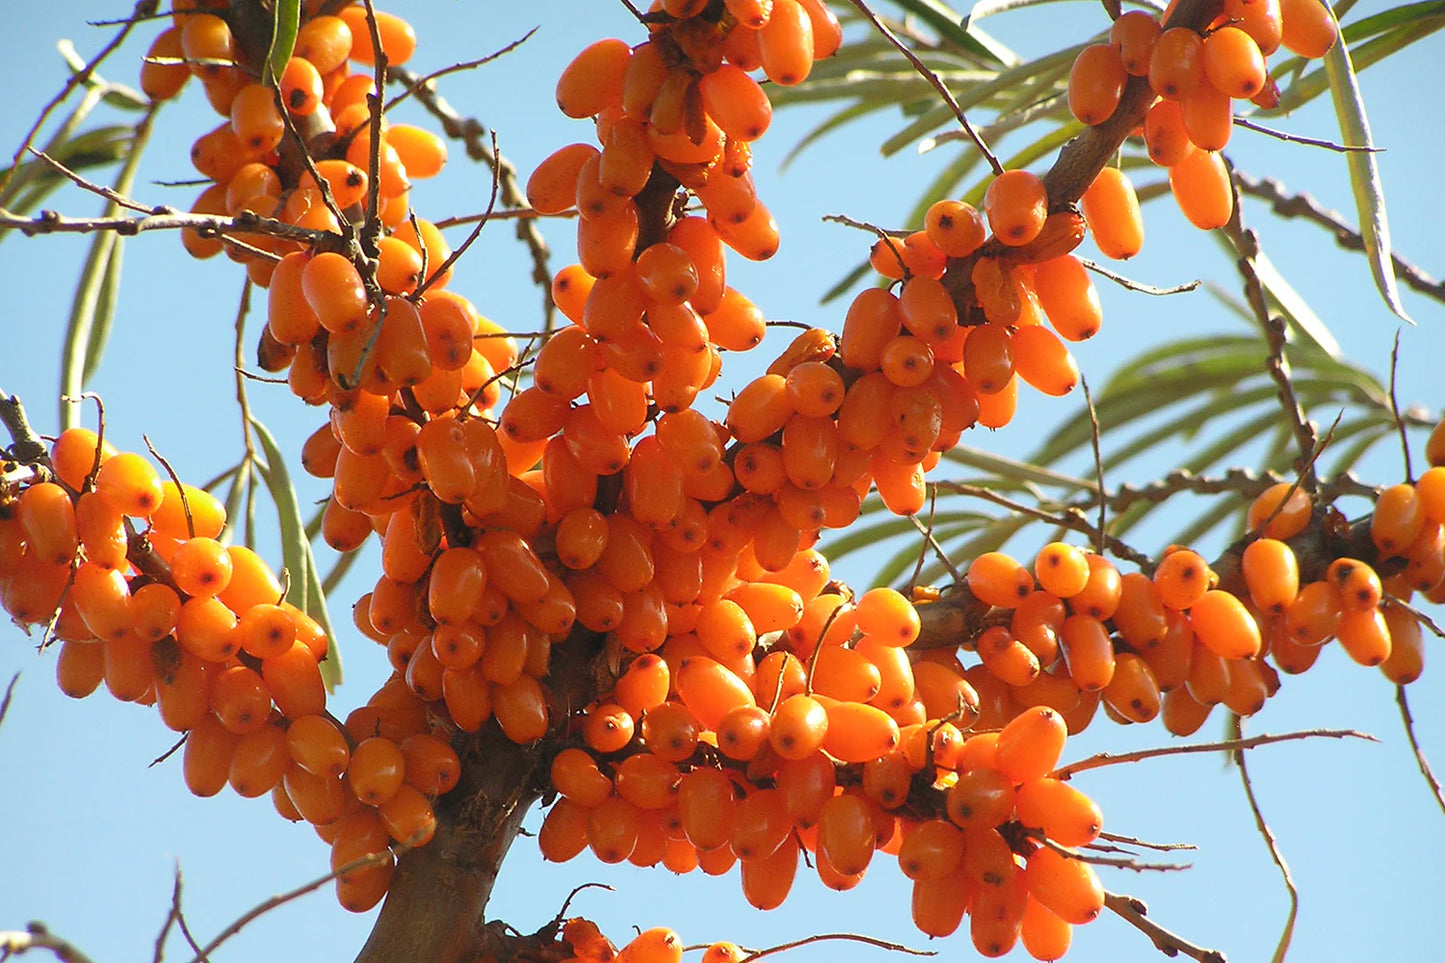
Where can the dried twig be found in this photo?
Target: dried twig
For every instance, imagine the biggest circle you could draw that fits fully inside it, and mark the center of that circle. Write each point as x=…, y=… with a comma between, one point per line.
x=1115, y=862
x=1282, y=947
x=472, y=134
x=934, y=81
x=142, y=10
x=36, y=937
x=824, y=937
x=1246, y=248
x=267, y=905
x=427, y=82
x=1135, y=841
x=1395, y=409
x=1070, y=517
x=1138, y=286
x=165, y=218
x=1133, y=911
x=9, y=694
x=1409, y=720
x=1304, y=206
x=1248, y=124
x=1110, y=758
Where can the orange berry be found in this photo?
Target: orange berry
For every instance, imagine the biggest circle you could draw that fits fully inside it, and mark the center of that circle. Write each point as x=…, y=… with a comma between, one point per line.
x=1176, y=64
x=1224, y=625
x=1016, y=205
x=1134, y=35
x=1200, y=184
x=1283, y=522
x=1233, y=62
x=1096, y=82
x=1308, y=27
x=1067, y=887
x=1112, y=210
x=1029, y=746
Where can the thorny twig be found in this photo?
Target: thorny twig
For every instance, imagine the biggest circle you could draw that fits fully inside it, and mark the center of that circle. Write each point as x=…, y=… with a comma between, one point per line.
x=1114, y=862
x=1246, y=247
x=271, y=903
x=1304, y=206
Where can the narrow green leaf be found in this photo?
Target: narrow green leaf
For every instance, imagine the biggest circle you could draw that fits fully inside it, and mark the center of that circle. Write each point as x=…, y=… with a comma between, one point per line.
x=1296, y=311
x=1018, y=471
x=304, y=590
x=949, y=25
x=105, y=304
x=286, y=20
x=845, y=285
x=1364, y=174
x=75, y=349
x=842, y=117
x=93, y=308
x=1362, y=55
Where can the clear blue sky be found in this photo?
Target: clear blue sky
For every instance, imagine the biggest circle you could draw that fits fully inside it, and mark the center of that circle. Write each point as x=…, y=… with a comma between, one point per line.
x=91, y=836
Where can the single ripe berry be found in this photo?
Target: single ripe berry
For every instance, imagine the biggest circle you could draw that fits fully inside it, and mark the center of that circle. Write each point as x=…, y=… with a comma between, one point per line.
x=1016, y=205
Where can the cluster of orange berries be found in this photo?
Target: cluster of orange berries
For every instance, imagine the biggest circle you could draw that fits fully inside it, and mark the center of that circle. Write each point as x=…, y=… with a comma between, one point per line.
x=256, y=169
x=686, y=769
x=1075, y=634
x=172, y=617
x=1196, y=76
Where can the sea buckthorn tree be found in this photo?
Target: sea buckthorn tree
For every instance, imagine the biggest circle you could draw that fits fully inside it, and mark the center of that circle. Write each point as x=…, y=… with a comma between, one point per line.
x=621, y=560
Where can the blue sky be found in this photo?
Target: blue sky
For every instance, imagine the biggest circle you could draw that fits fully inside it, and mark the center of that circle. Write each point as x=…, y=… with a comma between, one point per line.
x=92, y=837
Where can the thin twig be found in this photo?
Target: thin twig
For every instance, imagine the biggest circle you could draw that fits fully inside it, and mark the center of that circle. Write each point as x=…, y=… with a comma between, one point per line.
x=271, y=903
x=1135, y=841
x=509, y=214
x=1116, y=863
x=934, y=81
x=421, y=82
x=933, y=542
x=110, y=194
x=430, y=277
x=1395, y=409
x=165, y=218
x=1246, y=249
x=1409, y=720
x=473, y=135
x=1304, y=206
x=849, y=937
x=1139, y=286
x=142, y=9
x=1282, y=947
x=1248, y=124
x=1133, y=911
x=9, y=694
x=1071, y=518
x=36, y=937
x=169, y=752
x=1230, y=745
